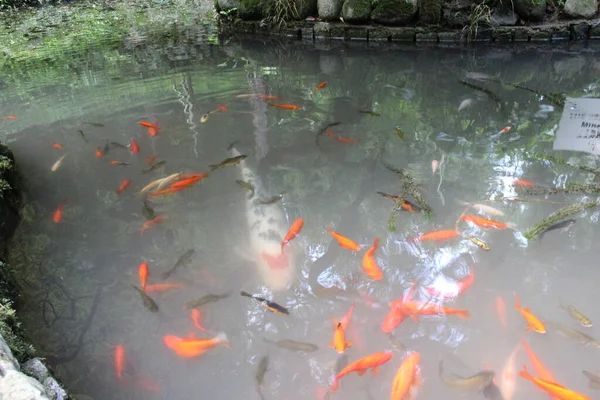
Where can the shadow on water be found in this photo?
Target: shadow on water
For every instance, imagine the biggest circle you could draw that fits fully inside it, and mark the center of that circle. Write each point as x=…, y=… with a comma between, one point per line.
x=399, y=106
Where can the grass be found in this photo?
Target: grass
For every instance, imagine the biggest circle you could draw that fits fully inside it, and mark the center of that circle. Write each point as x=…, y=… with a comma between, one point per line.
x=480, y=14
x=279, y=12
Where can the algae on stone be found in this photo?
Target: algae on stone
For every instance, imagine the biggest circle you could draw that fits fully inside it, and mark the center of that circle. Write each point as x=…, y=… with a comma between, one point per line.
x=430, y=12
x=394, y=12
x=356, y=11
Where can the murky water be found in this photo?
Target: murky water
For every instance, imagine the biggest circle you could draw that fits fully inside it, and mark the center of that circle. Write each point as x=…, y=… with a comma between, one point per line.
x=76, y=275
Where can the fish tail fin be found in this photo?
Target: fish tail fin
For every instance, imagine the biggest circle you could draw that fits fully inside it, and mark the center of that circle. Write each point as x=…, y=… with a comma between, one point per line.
x=524, y=374
x=246, y=294
x=517, y=301
x=334, y=386
x=463, y=314
x=234, y=152
x=512, y=225
x=376, y=243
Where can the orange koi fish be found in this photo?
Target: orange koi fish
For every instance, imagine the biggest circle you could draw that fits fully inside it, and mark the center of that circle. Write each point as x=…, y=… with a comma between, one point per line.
x=143, y=274
x=345, y=140
x=58, y=213
x=553, y=389
x=392, y=320
x=153, y=131
x=533, y=323
x=344, y=241
x=119, y=361
x=151, y=159
x=504, y=130
x=330, y=133
x=540, y=369
x=120, y=163
x=192, y=347
x=10, y=117
x=369, y=262
x=321, y=86
x=361, y=366
x=501, y=311
x=57, y=146
x=222, y=108
x=188, y=180
x=339, y=339
x=413, y=308
x=407, y=378
x=196, y=317
x=484, y=222
x=134, y=146
x=148, y=125
x=170, y=190
x=151, y=223
x=437, y=235
x=285, y=106
x=460, y=287
x=294, y=230
x=123, y=186
x=163, y=287
x=523, y=183
x=99, y=152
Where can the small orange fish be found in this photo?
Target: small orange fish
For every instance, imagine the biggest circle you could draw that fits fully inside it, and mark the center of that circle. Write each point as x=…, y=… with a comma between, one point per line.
x=134, y=147
x=361, y=366
x=152, y=131
x=407, y=377
x=188, y=180
x=196, y=316
x=504, y=130
x=151, y=159
x=285, y=106
x=437, y=235
x=143, y=274
x=119, y=360
x=170, y=190
x=533, y=323
x=540, y=369
x=163, y=287
x=99, y=152
x=152, y=222
x=222, y=108
x=553, y=389
x=345, y=140
x=58, y=213
x=369, y=262
x=501, y=311
x=484, y=222
x=191, y=347
x=344, y=241
x=9, y=117
x=57, y=146
x=121, y=163
x=413, y=308
x=294, y=230
x=123, y=186
x=339, y=339
x=523, y=183
x=330, y=133
x=321, y=85
x=148, y=125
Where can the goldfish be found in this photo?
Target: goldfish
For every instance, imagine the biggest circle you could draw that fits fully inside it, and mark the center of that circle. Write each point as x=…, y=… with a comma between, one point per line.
x=148, y=125
x=437, y=235
x=269, y=305
x=485, y=223
x=533, y=323
x=209, y=298
x=57, y=146
x=191, y=347
x=504, y=130
x=293, y=345
x=339, y=339
x=553, y=389
x=99, y=152
x=183, y=260
x=222, y=108
x=369, y=262
x=330, y=133
x=9, y=117
x=407, y=377
x=143, y=274
x=285, y=106
x=459, y=288
x=196, y=317
x=320, y=86
x=344, y=241
x=227, y=162
x=158, y=184
x=434, y=166
x=294, y=230
x=413, y=307
x=58, y=213
x=188, y=180
x=480, y=243
x=163, y=287
x=501, y=311
x=57, y=164
x=152, y=131
x=149, y=303
x=508, y=377
x=372, y=361
x=119, y=360
x=540, y=370
x=151, y=223
x=523, y=183
x=392, y=320
x=124, y=185
x=120, y=163
x=406, y=205
x=346, y=318
x=151, y=159
x=134, y=146
x=582, y=319
x=477, y=381
x=345, y=140
x=170, y=190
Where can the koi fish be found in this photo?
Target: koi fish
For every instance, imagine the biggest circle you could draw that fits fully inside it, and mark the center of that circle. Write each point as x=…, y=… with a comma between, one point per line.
x=540, y=370
x=523, y=183
x=533, y=323
x=152, y=131
x=320, y=86
x=57, y=146
x=191, y=347
x=9, y=117
x=163, y=287
x=484, y=208
x=158, y=184
x=188, y=180
x=149, y=303
x=437, y=235
x=508, y=377
x=485, y=223
x=369, y=263
x=222, y=108
x=406, y=205
x=134, y=146
x=183, y=260
x=477, y=381
x=196, y=317
x=209, y=298
x=148, y=125
x=345, y=140
x=119, y=163
x=501, y=311
x=413, y=308
x=345, y=321
x=149, y=224
x=99, y=152
x=330, y=133
x=344, y=241
x=407, y=377
x=392, y=320
x=58, y=213
x=124, y=185
x=293, y=345
x=373, y=362
x=582, y=319
x=151, y=159
x=456, y=290
x=504, y=130
x=204, y=118
x=119, y=361
x=294, y=230
x=143, y=274
x=553, y=389
x=434, y=166
x=57, y=164
x=285, y=106
x=269, y=305
x=170, y=190
x=339, y=339
x=227, y=162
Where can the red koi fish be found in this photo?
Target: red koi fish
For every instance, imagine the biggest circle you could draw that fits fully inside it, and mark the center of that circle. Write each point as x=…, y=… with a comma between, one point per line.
x=457, y=289
x=134, y=147
x=330, y=133
x=361, y=366
x=152, y=131
x=163, y=287
x=57, y=146
x=99, y=152
x=124, y=185
x=222, y=108
x=196, y=317
x=192, y=347
x=369, y=263
x=188, y=180
x=285, y=106
x=321, y=86
x=10, y=117
x=143, y=274
x=146, y=124
x=119, y=361
x=58, y=213
x=392, y=320
x=523, y=183
x=437, y=235
x=170, y=190
x=504, y=130
x=553, y=389
x=345, y=140
x=344, y=241
x=148, y=224
x=484, y=222
x=294, y=230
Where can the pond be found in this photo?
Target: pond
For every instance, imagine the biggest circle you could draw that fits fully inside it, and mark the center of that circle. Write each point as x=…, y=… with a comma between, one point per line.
x=330, y=134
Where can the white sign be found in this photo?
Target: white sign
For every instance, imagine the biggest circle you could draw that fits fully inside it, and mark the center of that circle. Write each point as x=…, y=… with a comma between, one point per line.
x=579, y=126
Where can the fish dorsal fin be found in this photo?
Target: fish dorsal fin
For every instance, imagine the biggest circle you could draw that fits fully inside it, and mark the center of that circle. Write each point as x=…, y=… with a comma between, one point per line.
x=361, y=372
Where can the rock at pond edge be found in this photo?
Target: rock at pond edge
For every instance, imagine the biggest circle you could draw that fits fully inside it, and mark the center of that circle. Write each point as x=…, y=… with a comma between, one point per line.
x=395, y=12
x=530, y=10
x=329, y=9
x=580, y=8
x=356, y=11
x=430, y=12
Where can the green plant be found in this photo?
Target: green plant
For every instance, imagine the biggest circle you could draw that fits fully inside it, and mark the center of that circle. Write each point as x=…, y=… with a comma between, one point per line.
x=279, y=12
x=228, y=15
x=480, y=14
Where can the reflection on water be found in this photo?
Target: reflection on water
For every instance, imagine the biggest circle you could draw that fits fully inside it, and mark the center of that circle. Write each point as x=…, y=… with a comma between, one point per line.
x=379, y=111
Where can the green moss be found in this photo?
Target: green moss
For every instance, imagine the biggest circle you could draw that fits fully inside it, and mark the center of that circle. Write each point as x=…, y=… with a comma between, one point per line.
x=394, y=12
x=430, y=12
x=356, y=10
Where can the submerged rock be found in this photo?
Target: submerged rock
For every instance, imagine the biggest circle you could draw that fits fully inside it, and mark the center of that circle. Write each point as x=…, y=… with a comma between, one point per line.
x=394, y=12
x=580, y=8
x=356, y=11
x=531, y=10
x=329, y=9
x=430, y=12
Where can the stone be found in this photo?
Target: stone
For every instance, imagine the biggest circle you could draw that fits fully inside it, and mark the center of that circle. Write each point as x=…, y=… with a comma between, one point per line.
x=251, y=10
x=226, y=5
x=356, y=33
x=504, y=14
x=356, y=11
x=321, y=30
x=18, y=386
x=36, y=369
x=530, y=10
x=427, y=37
x=430, y=12
x=454, y=37
x=306, y=8
x=379, y=34
x=561, y=34
x=503, y=34
x=521, y=35
x=403, y=35
x=579, y=31
x=580, y=8
x=595, y=31
x=395, y=12
x=329, y=9
x=541, y=35
x=456, y=19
